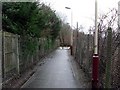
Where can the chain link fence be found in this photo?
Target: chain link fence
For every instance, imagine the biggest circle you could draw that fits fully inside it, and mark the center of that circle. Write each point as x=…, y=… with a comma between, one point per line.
x=83, y=50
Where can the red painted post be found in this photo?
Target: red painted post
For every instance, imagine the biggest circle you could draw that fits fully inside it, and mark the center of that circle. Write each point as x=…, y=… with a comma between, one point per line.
x=95, y=71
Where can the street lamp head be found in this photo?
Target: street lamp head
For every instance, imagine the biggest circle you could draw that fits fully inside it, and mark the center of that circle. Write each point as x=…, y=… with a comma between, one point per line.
x=67, y=7
x=67, y=23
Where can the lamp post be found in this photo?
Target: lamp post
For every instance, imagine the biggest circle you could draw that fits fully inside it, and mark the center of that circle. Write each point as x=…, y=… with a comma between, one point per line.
x=71, y=31
x=95, y=56
x=71, y=14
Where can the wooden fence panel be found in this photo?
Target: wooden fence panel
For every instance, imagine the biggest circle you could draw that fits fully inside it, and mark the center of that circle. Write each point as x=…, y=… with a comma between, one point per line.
x=10, y=54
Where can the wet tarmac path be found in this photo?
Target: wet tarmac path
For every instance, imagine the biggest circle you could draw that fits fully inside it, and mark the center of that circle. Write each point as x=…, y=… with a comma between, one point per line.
x=55, y=73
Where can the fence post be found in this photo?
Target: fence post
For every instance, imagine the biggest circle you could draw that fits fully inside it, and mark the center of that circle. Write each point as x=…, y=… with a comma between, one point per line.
x=1, y=45
x=108, y=60
x=88, y=52
x=17, y=47
x=118, y=64
x=3, y=66
x=76, y=49
x=0, y=59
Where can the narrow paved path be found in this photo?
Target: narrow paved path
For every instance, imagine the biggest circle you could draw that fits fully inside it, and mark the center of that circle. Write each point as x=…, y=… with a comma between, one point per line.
x=55, y=73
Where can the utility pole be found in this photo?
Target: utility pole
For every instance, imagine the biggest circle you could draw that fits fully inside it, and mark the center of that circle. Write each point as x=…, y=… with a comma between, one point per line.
x=95, y=56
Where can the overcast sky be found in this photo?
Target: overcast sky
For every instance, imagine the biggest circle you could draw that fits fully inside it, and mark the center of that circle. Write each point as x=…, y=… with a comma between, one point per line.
x=82, y=10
